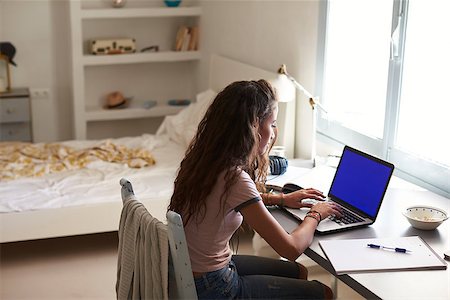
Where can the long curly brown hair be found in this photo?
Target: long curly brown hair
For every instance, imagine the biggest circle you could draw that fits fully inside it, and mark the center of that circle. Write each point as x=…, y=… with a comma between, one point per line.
x=226, y=140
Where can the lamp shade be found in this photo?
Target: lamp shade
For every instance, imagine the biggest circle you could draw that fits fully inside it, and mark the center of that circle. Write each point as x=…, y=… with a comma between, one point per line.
x=283, y=87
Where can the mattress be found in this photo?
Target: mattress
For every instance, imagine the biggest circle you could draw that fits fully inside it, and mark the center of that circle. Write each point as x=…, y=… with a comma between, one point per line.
x=98, y=182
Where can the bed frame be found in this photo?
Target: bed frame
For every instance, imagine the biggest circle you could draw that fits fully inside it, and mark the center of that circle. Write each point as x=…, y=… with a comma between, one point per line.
x=104, y=217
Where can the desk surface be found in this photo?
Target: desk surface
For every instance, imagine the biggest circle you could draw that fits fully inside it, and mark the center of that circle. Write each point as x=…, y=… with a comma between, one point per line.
x=390, y=222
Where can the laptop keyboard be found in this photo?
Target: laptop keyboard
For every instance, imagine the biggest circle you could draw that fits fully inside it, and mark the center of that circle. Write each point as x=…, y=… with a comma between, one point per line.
x=347, y=217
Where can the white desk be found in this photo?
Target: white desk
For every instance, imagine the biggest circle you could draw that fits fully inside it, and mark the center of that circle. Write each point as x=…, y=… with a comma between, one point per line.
x=390, y=223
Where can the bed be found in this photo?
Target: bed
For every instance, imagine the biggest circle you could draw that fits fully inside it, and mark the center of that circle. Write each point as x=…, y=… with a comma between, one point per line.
x=87, y=200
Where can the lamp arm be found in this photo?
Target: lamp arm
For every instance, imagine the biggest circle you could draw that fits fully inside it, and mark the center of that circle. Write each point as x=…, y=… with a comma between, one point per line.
x=314, y=102
x=299, y=86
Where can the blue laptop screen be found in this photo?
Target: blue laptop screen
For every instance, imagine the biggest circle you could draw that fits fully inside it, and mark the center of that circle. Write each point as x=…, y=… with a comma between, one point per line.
x=361, y=181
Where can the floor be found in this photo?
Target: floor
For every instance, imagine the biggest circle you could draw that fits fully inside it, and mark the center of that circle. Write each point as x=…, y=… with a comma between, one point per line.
x=84, y=267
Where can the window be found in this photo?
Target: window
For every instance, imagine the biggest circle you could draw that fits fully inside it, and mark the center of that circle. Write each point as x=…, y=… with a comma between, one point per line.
x=386, y=66
x=357, y=64
x=425, y=98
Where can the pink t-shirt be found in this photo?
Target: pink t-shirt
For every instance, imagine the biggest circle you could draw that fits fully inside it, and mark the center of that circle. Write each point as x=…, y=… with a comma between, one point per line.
x=208, y=241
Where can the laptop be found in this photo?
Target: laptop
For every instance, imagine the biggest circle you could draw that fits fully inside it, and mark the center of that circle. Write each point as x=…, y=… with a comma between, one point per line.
x=358, y=186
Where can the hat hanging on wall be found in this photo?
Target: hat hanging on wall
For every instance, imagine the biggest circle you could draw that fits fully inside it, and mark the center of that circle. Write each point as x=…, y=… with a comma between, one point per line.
x=7, y=49
x=7, y=52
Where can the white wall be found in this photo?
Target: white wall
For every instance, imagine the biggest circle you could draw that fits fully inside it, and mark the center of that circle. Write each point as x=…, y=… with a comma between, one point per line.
x=262, y=33
x=266, y=34
x=40, y=32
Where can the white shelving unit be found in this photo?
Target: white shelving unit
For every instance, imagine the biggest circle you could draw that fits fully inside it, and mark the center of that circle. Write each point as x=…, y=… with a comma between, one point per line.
x=169, y=56
x=148, y=74
x=107, y=13
x=95, y=114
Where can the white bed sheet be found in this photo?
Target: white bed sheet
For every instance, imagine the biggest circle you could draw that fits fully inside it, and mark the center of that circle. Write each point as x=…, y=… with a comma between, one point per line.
x=99, y=182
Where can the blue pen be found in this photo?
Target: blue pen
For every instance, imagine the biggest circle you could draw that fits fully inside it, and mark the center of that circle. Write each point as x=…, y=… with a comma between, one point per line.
x=400, y=250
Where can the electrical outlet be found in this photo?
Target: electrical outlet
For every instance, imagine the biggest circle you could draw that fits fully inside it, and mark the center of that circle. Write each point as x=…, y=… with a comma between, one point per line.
x=41, y=93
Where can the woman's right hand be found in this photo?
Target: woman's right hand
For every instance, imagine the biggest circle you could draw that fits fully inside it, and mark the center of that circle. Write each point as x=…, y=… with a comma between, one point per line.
x=327, y=209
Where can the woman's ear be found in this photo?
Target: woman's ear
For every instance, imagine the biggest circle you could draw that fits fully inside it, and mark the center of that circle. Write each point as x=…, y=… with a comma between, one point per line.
x=256, y=123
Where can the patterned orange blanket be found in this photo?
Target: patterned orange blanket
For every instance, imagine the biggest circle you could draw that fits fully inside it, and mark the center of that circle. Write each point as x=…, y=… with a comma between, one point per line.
x=28, y=160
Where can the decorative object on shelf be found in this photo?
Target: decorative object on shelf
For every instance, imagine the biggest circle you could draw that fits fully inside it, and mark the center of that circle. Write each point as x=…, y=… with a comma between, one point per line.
x=117, y=100
x=154, y=48
x=179, y=102
x=7, y=52
x=149, y=104
x=113, y=46
x=118, y=3
x=187, y=38
x=172, y=3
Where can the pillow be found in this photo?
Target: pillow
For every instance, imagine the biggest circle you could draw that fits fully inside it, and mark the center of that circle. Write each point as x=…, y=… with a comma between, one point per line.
x=182, y=127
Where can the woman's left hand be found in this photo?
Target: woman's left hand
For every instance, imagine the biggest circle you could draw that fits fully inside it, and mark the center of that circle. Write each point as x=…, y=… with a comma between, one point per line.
x=294, y=199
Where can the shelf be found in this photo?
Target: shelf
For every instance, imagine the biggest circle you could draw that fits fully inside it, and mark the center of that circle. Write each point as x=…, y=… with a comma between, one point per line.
x=99, y=114
x=114, y=13
x=166, y=56
x=90, y=19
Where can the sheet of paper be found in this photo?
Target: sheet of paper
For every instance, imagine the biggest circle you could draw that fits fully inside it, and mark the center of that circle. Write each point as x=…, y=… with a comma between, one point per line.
x=354, y=256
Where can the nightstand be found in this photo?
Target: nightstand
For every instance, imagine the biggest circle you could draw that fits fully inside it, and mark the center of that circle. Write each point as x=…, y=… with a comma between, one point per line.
x=15, y=115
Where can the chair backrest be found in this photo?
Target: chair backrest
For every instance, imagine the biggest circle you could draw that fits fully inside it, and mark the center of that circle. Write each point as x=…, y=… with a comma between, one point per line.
x=126, y=191
x=179, y=255
x=184, y=280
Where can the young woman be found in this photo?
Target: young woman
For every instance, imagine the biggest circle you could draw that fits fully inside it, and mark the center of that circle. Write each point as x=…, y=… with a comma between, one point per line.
x=216, y=189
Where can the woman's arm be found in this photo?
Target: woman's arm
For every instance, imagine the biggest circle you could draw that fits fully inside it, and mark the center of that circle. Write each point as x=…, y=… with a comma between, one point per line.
x=290, y=246
x=294, y=199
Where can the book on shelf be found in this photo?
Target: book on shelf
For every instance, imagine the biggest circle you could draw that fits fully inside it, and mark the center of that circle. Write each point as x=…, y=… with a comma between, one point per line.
x=193, y=41
x=181, y=36
x=187, y=38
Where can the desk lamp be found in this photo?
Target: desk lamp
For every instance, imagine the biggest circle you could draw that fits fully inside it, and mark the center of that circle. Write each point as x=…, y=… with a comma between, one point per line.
x=7, y=52
x=285, y=80
x=285, y=91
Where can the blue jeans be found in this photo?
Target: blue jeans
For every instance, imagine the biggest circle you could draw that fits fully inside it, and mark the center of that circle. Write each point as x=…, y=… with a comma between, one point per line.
x=254, y=277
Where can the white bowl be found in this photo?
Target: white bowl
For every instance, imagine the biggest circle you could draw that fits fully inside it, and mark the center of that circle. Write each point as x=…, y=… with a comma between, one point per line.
x=425, y=217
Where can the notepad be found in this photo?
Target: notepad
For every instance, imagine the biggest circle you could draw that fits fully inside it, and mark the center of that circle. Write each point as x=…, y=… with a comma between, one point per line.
x=354, y=256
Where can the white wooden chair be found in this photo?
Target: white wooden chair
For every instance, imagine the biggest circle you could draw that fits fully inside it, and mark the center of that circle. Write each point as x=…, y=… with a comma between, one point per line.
x=181, y=280
x=182, y=271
